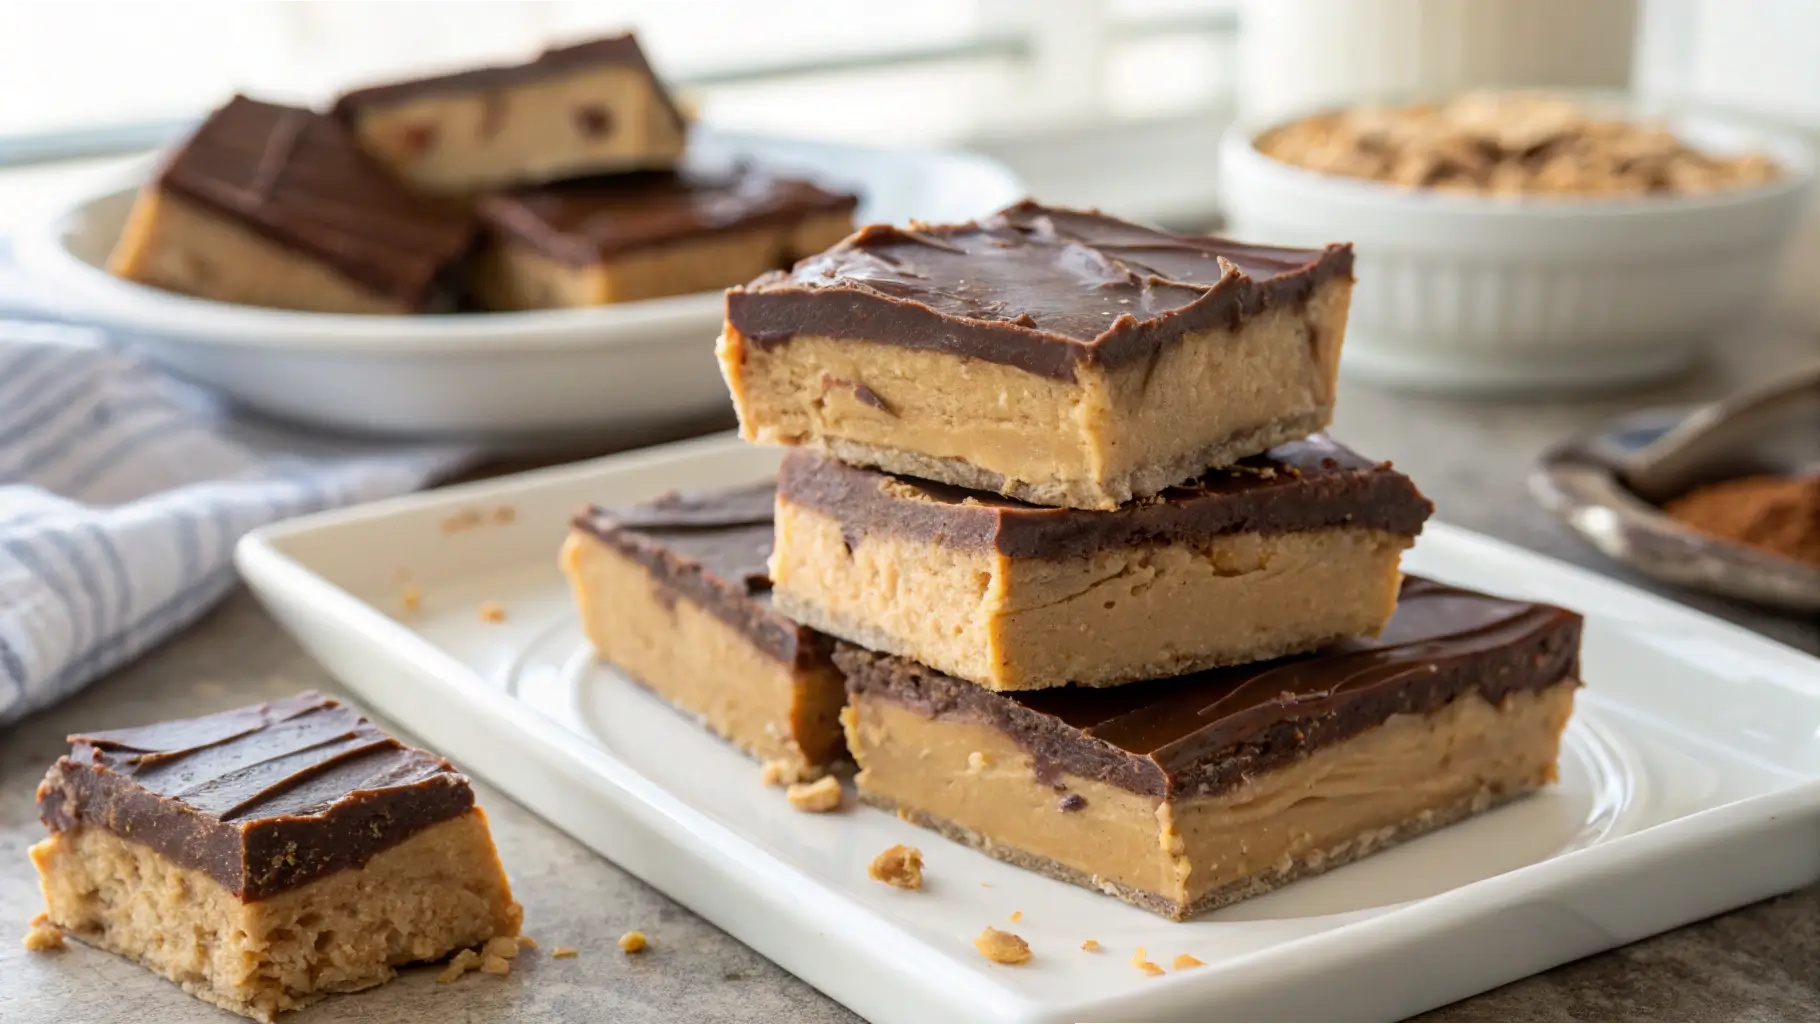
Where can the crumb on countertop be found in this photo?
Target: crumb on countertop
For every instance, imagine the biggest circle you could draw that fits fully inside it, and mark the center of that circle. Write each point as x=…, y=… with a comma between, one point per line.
x=42, y=936
x=504, y=946
x=1185, y=961
x=491, y=964
x=1091, y=945
x=633, y=942
x=1002, y=947
x=900, y=866
x=816, y=797
x=464, y=961
x=492, y=611
x=564, y=953
x=527, y=942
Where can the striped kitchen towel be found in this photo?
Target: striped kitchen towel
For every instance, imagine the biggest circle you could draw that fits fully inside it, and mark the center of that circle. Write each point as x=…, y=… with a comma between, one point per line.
x=122, y=492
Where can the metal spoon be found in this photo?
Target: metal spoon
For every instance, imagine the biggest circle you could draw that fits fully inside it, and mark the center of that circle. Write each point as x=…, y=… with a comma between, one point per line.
x=1770, y=429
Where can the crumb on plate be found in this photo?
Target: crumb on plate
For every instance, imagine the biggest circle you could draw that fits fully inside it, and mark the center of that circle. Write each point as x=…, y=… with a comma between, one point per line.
x=1185, y=961
x=900, y=866
x=633, y=941
x=1002, y=947
x=1091, y=945
x=491, y=964
x=816, y=797
x=565, y=953
x=1017, y=915
x=492, y=611
x=504, y=946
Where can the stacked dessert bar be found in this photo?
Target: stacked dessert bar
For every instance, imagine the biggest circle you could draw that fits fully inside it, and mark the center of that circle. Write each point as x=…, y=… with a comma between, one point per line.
x=556, y=182
x=1106, y=601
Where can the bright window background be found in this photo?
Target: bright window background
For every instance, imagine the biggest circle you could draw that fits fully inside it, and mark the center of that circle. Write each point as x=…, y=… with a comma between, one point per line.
x=871, y=70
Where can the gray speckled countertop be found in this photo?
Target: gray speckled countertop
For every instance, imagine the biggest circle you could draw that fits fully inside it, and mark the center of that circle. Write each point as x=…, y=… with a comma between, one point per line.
x=1758, y=963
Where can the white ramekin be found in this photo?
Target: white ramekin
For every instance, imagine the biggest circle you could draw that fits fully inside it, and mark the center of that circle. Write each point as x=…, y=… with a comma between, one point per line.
x=1479, y=294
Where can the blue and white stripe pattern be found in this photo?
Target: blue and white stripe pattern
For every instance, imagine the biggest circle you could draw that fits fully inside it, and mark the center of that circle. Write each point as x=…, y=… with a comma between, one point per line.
x=122, y=493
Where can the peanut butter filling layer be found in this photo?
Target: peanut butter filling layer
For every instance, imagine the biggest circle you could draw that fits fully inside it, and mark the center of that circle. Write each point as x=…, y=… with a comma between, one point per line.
x=770, y=708
x=440, y=890
x=1179, y=855
x=1093, y=440
x=1099, y=618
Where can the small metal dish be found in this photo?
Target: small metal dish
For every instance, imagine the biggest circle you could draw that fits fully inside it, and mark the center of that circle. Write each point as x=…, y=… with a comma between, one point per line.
x=1609, y=484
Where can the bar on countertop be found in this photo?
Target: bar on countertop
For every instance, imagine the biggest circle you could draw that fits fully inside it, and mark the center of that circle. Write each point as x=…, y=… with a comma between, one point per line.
x=1050, y=355
x=590, y=108
x=277, y=206
x=1183, y=795
x=674, y=593
x=1284, y=552
x=267, y=856
x=651, y=234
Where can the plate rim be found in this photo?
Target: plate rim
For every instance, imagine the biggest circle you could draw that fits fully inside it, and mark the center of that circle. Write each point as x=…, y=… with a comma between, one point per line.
x=773, y=880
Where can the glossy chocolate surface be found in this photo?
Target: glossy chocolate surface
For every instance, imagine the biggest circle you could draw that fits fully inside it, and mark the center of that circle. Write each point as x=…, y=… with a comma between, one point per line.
x=1202, y=733
x=613, y=50
x=712, y=547
x=1040, y=288
x=263, y=798
x=300, y=179
x=589, y=220
x=1304, y=485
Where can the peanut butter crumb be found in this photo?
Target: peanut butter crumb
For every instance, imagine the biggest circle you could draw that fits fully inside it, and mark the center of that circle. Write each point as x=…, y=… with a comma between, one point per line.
x=503, y=946
x=1141, y=960
x=816, y=797
x=1002, y=947
x=633, y=942
x=1017, y=915
x=564, y=953
x=1185, y=961
x=782, y=772
x=1091, y=945
x=527, y=942
x=43, y=936
x=900, y=866
x=464, y=961
x=411, y=599
x=492, y=611
x=978, y=762
x=491, y=964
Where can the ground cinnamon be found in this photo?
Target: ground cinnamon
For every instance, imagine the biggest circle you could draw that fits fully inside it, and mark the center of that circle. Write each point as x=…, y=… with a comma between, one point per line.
x=1778, y=514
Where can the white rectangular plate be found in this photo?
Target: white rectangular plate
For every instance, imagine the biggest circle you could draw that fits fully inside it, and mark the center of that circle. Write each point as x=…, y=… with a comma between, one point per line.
x=1688, y=785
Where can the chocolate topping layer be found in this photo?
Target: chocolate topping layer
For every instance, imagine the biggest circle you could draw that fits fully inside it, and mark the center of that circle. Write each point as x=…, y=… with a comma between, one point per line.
x=589, y=220
x=1039, y=288
x=263, y=798
x=300, y=179
x=712, y=547
x=1203, y=733
x=1304, y=485
x=620, y=49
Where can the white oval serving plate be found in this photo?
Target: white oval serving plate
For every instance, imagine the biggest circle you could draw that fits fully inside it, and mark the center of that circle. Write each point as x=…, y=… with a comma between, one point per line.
x=599, y=373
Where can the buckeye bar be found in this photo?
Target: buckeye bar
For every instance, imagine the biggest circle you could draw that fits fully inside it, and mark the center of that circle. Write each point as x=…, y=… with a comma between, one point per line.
x=586, y=109
x=1054, y=356
x=1283, y=553
x=674, y=593
x=267, y=856
x=1183, y=795
x=642, y=236
x=277, y=206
